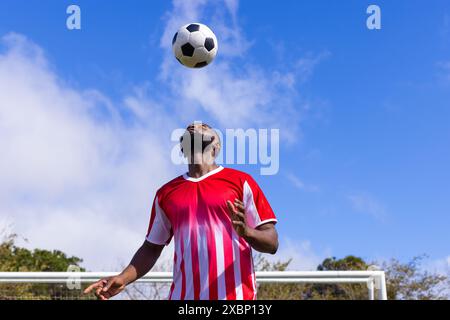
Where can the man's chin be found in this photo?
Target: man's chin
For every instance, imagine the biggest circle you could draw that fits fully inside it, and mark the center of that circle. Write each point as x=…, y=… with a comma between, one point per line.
x=201, y=160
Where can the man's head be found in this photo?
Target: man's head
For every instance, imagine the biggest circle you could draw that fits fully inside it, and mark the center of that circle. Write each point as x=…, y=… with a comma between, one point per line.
x=200, y=143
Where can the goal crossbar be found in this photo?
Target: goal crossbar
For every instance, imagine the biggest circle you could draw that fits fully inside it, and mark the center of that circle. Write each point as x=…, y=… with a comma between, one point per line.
x=375, y=280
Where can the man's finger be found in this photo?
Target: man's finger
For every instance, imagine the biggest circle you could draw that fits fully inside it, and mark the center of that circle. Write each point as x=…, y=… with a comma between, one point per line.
x=99, y=287
x=231, y=207
x=108, y=285
x=89, y=289
x=102, y=297
x=239, y=206
x=98, y=292
x=93, y=286
x=239, y=223
x=240, y=216
x=105, y=295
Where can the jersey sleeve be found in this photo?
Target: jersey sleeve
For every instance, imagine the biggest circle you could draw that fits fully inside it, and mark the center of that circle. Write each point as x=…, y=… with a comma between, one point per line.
x=257, y=208
x=160, y=228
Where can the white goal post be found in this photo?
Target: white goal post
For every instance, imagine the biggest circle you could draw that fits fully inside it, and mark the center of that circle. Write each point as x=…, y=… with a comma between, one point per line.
x=375, y=280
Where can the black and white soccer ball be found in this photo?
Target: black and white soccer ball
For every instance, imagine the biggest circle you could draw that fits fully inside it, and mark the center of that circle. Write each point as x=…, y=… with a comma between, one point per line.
x=194, y=45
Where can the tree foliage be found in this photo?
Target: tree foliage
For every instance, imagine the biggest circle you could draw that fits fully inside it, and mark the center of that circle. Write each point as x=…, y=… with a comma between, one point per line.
x=407, y=281
x=404, y=281
x=15, y=259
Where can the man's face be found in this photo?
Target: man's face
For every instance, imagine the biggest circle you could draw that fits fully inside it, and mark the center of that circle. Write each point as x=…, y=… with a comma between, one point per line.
x=199, y=142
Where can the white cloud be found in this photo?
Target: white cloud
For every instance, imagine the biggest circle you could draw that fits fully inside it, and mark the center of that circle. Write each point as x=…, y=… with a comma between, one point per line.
x=304, y=258
x=235, y=92
x=299, y=184
x=305, y=66
x=367, y=204
x=440, y=266
x=78, y=176
x=444, y=71
x=71, y=179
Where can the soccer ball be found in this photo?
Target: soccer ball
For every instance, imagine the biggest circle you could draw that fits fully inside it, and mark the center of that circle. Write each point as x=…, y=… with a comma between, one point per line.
x=194, y=45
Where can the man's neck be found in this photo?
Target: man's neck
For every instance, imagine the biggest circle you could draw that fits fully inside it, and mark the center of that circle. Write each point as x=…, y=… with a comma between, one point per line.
x=198, y=170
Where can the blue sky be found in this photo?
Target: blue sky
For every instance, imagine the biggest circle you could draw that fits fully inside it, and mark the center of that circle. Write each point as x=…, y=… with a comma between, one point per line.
x=364, y=118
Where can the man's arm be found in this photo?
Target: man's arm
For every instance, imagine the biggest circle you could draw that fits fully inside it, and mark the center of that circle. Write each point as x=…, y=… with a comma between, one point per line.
x=263, y=238
x=143, y=260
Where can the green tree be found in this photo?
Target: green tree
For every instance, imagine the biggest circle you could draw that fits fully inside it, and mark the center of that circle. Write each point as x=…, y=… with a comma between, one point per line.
x=408, y=281
x=277, y=291
x=403, y=280
x=14, y=258
x=339, y=291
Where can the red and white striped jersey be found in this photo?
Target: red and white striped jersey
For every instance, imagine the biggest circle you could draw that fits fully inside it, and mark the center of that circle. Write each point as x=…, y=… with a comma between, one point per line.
x=210, y=260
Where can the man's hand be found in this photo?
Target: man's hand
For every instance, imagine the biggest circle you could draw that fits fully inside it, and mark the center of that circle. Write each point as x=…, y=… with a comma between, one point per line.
x=263, y=239
x=143, y=260
x=237, y=213
x=107, y=287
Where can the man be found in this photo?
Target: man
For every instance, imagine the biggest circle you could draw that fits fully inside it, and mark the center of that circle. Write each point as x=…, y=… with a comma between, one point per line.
x=216, y=216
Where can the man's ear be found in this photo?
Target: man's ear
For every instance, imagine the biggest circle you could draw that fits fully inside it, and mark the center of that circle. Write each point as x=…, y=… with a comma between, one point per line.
x=216, y=150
